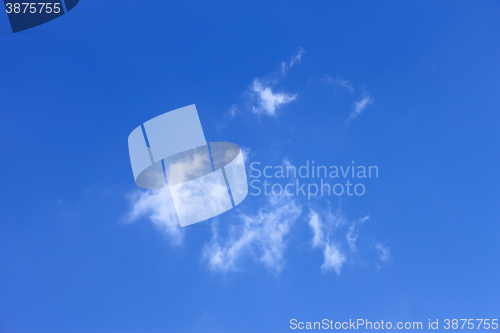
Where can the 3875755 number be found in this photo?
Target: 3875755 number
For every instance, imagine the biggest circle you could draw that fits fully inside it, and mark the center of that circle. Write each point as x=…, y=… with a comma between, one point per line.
x=33, y=7
x=470, y=324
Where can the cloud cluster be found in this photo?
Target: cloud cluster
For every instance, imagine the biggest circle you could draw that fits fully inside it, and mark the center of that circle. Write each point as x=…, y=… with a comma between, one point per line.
x=262, y=236
x=264, y=98
x=329, y=230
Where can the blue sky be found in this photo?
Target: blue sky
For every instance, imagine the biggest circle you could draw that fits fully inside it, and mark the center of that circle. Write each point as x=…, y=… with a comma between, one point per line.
x=411, y=87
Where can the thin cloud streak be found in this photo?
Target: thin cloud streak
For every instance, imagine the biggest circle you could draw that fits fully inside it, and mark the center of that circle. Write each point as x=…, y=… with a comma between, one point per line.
x=360, y=106
x=339, y=82
x=383, y=251
x=353, y=233
x=296, y=59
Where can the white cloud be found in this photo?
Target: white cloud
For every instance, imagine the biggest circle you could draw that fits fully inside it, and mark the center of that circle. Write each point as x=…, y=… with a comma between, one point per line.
x=267, y=100
x=158, y=207
x=262, y=236
x=353, y=233
x=262, y=96
x=383, y=251
x=359, y=106
x=334, y=258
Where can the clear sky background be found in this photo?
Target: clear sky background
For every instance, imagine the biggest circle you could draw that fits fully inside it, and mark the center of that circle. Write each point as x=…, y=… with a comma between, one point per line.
x=409, y=86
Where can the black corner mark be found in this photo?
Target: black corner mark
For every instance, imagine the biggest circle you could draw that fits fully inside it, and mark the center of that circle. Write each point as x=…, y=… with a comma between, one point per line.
x=26, y=15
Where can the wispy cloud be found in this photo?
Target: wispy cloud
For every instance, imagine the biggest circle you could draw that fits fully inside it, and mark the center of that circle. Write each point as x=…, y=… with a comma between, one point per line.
x=383, y=251
x=296, y=59
x=360, y=105
x=268, y=101
x=262, y=236
x=353, y=233
x=339, y=82
x=233, y=110
x=158, y=207
x=334, y=258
